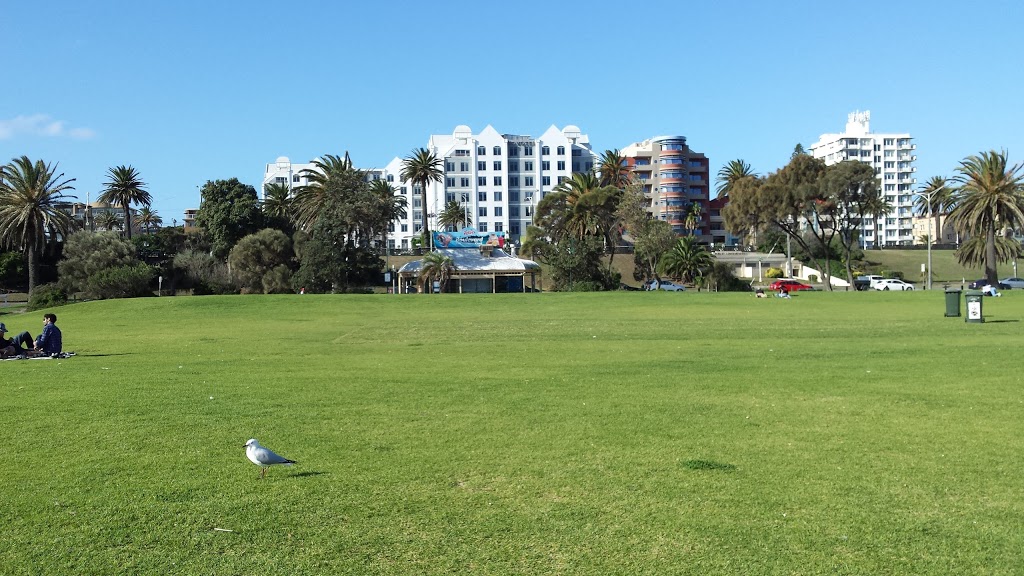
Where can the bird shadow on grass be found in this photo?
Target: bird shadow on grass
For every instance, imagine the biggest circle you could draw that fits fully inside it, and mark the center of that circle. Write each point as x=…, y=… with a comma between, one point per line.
x=708, y=465
x=305, y=474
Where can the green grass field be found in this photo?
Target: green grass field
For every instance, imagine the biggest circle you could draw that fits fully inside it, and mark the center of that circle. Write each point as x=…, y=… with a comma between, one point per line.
x=604, y=433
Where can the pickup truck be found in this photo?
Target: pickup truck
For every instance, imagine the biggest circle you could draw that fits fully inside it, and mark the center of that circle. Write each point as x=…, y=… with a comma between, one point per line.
x=866, y=282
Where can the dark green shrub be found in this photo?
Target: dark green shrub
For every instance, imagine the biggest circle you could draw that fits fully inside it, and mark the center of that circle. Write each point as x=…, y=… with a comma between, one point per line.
x=892, y=274
x=47, y=296
x=121, y=282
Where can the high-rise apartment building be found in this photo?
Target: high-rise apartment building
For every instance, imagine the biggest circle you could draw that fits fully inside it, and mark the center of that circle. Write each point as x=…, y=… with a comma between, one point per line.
x=892, y=156
x=675, y=181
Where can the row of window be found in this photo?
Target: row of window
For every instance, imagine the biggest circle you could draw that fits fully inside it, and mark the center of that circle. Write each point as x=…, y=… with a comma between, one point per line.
x=513, y=166
x=513, y=150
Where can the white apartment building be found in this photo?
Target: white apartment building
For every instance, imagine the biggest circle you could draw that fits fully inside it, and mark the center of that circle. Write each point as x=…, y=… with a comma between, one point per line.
x=497, y=178
x=892, y=156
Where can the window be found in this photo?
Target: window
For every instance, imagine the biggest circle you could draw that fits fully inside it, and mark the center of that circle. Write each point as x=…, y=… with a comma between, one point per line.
x=417, y=202
x=391, y=177
x=890, y=187
x=497, y=150
x=482, y=227
x=497, y=195
x=449, y=198
x=575, y=166
x=513, y=180
x=889, y=141
x=464, y=182
x=528, y=211
x=528, y=165
x=528, y=150
x=481, y=180
x=561, y=150
x=498, y=211
x=449, y=182
x=499, y=226
x=562, y=179
x=576, y=153
x=545, y=151
x=561, y=164
x=514, y=228
x=405, y=227
x=545, y=165
x=281, y=180
x=497, y=180
x=878, y=147
x=482, y=212
x=295, y=178
x=481, y=165
x=865, y=153
x=403, y=190
x=513, y=211
x=497, y=164
x=513, y=195
x=481, y=151
x=513, y=165
x=463, y=166
x=529, y=180
x=462, y=152
x=449, y=166
x=513, y=150
x=545, y=180
x=890, y=164
x=481, y=196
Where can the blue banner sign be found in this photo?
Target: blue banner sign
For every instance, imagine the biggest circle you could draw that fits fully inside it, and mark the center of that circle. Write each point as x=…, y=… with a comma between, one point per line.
x=469, y=238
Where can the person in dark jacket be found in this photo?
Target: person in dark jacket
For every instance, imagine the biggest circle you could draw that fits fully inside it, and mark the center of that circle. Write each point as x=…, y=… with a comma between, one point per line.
x=49, y=342
x=15, y=346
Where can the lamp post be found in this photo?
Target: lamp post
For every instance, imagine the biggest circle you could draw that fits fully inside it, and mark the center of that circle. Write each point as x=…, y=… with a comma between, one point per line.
x=928, y=196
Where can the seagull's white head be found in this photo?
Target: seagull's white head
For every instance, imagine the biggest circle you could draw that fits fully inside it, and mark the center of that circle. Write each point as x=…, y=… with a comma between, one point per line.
x=252, y=442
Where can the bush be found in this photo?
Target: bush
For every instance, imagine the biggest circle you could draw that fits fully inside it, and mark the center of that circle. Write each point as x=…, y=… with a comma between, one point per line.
x=88, y=254
x=812, y=278
x=773, y=273
x=584, y=286
x=204, y=273
x=723, y=279
x=12, y=269
x=47, y=296
x=128, y=281
x=892, y=274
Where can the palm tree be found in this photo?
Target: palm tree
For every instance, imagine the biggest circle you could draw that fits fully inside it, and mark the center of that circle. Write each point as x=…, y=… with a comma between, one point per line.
x=453, y=216
x=325, y=175
x=29, y=217
x=390, y=206
x=694, y=215
x=277, y=202
x=421, y=168
x=147, y=219
x=438, y=267
x=991, y=197
x=686, y=260
x=613, y=169
x=125, y=188
x=108, y=221
x=730, y=174
x=935, y=198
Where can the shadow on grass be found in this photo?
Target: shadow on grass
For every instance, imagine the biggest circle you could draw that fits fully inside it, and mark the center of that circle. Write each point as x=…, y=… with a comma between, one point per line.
x=708, y=465
x=305, y=474
x=989, y=321
x=103, y=355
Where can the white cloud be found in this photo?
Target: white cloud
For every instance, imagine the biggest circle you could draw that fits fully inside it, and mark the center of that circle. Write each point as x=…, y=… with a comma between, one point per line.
x=41, y=125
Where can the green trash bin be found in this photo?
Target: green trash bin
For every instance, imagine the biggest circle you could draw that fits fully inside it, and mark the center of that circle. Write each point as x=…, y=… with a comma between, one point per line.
x=952, y=302
x=974, y=311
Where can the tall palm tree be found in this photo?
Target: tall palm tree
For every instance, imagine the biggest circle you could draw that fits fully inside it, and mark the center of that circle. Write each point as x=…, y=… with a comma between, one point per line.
x=687, y=260
x=108, y=221
x=991, y=197
x=147, y=219
x=125, y=188
x=694, y=216
x=390, y=206
x=29, y=217
x=730, y=174
x=438, y=267
x=421, y=168
x=453, y=216
x=578, y=220
x=613, y=169
x=326, y=173
x=935, y=198
x=277, y=202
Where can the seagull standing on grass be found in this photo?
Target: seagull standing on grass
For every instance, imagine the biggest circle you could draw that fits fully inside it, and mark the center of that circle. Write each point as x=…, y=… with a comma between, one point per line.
x=263, y=456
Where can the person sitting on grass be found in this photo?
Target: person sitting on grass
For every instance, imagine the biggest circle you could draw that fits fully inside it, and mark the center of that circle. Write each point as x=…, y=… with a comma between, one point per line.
x=49, y=342
x=16, y=346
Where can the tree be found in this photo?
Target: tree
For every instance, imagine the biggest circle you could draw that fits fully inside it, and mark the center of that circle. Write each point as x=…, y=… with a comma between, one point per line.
x=147, y=219
x=613, y=169
x=277, y=202
x=124, y=188
x=421, y=168
x=935, y=198
x=107, y=221
x=389, y=206
x=453, y=216
x=694, y=215
x=29, y=217
x=87, y=254
x=436, y=267
x=798, y=150
x=228, y=212
x=329, y=175
x=849, y=192
x=653, y=240
x=259, y=263
x=991, y=197
x=686, y=260
x=731, y=173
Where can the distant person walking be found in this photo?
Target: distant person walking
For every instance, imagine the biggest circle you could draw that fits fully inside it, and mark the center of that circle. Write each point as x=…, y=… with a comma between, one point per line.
x=50, y=341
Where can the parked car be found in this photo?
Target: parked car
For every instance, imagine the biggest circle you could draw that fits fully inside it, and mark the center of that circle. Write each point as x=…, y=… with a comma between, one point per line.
x=981, y=283
x=789, y=285
x=866, y=281
x=1017, y=283
x=892, y=284
x=665, y=285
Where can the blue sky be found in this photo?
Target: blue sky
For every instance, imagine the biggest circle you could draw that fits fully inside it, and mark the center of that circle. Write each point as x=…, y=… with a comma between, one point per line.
x=193, y=91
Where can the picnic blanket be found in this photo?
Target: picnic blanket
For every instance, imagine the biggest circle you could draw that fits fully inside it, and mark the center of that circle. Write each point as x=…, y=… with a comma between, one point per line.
x=43, y=357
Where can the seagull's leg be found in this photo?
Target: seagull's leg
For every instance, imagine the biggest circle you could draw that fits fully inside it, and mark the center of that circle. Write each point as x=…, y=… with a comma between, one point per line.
x=263, y=474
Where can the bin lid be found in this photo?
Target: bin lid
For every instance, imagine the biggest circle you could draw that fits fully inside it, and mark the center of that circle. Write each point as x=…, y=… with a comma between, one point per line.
x=952, y=290
x=975, y=293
